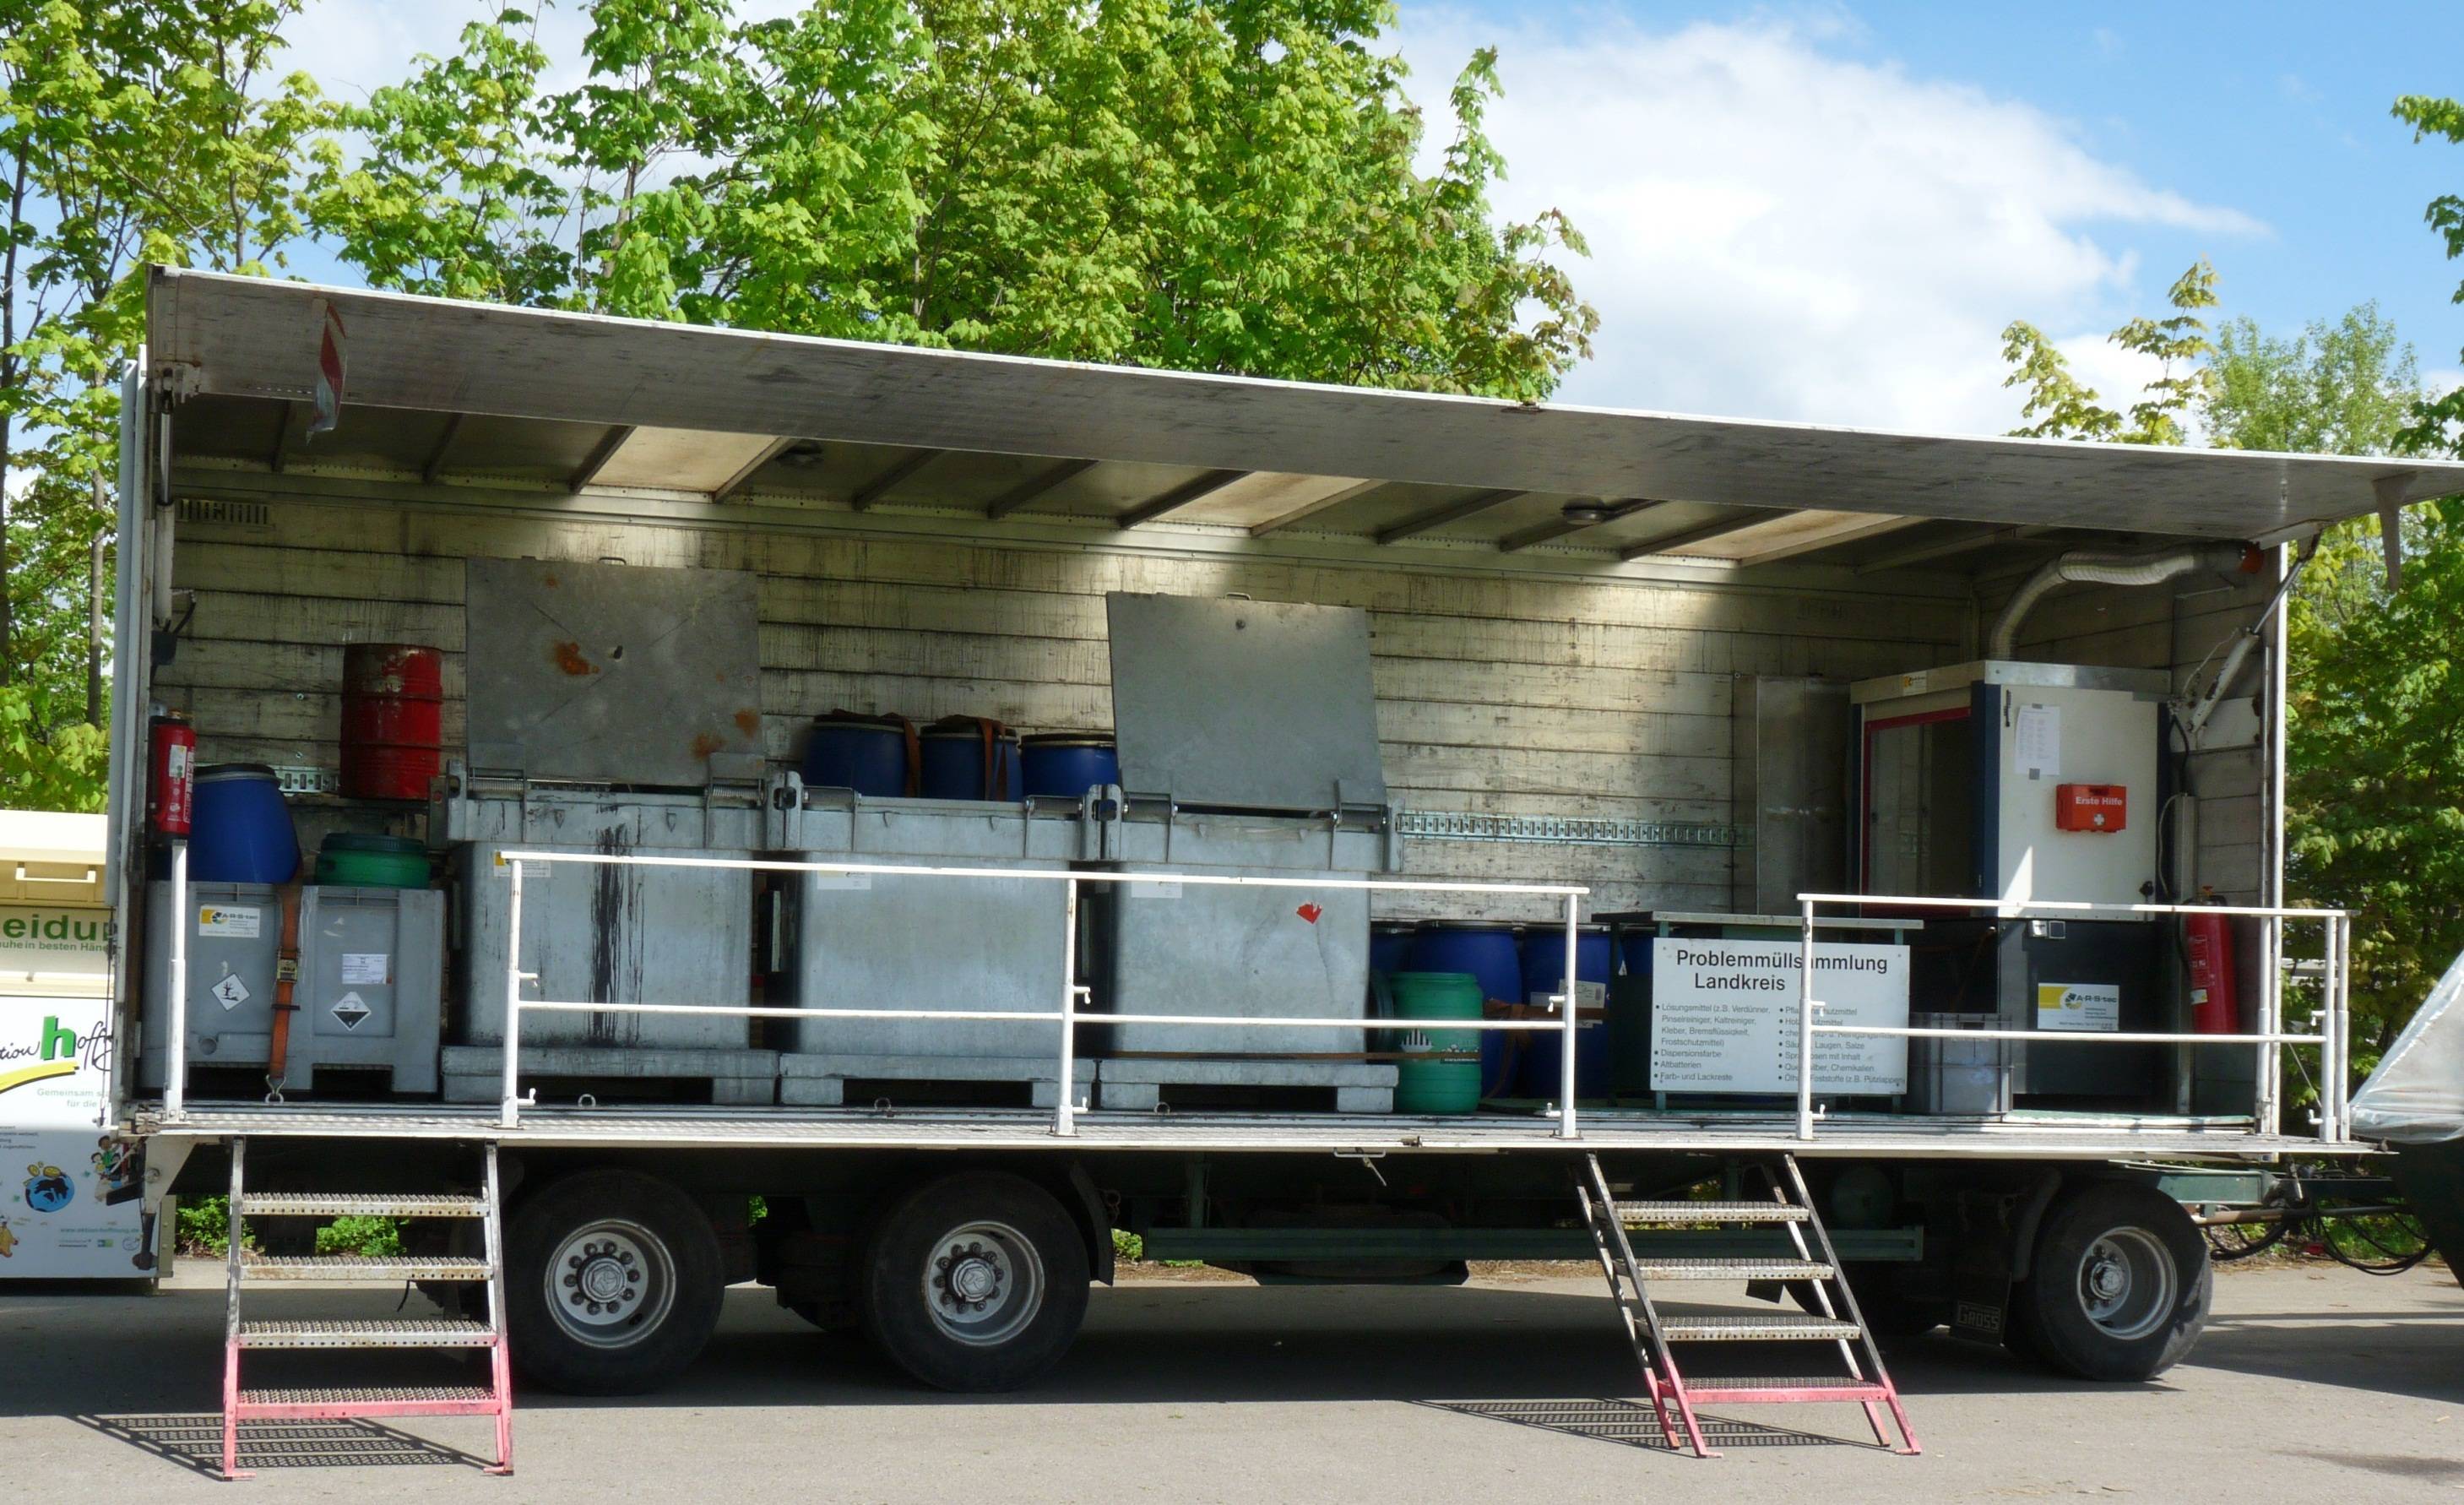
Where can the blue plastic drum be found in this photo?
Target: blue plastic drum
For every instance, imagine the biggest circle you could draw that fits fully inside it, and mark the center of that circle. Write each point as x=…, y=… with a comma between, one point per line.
x=241, y=830
x=864, y=753
x=960, y=762
x=1066, y=765
x=1544, y=969
x=1487, y=952
x=1390, y=945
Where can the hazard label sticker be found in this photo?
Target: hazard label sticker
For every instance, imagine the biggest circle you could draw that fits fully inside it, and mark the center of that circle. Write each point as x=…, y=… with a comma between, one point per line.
x=350, y=1010
x=230, y=992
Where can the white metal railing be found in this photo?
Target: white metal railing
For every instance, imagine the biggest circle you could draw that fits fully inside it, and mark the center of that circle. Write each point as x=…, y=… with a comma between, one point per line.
x=1067, y=1015
x=2269, y=1040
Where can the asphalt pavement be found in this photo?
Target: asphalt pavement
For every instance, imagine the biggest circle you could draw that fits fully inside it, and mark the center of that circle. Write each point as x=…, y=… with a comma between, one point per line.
x=2313, y=1384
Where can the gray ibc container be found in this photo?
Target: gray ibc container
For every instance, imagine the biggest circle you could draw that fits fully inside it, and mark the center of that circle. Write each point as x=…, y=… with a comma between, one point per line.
x=857, y=940
x=370, y=962
x=1265, y=952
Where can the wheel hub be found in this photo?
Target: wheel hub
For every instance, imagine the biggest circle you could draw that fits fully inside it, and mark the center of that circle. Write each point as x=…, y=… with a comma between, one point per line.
x=2127, y=1284
x=983, y=1283
x=610, y=1283
x=972, y=1278
x=2108, y=1279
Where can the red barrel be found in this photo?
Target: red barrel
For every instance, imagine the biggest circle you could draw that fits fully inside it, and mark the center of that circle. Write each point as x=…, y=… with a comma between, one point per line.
x=394, y=720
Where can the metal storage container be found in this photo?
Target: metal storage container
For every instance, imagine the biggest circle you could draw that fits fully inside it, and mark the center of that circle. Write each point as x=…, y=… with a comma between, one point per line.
x=852, y=939
x=1248, y=743
x=1964, y=1077
x=371, y=964
x=606, y=934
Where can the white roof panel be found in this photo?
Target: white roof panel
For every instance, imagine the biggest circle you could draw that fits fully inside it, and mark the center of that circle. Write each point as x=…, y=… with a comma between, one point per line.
x=255, y=338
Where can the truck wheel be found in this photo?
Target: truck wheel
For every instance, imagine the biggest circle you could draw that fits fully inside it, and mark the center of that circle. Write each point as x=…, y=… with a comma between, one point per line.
x=612, y=1284
x=976, y=1281
x=2119, y=1285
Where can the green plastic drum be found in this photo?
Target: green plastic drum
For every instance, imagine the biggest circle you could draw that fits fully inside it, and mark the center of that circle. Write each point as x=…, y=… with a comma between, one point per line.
x=349, y=860
x=1437, y=1085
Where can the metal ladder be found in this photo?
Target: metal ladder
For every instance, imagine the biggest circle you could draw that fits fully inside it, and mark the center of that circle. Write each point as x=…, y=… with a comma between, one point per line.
x=494, y=1398
x=1836, y=1319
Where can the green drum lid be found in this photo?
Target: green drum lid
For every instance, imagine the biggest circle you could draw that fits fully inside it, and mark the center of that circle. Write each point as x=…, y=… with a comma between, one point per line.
x=348, y=859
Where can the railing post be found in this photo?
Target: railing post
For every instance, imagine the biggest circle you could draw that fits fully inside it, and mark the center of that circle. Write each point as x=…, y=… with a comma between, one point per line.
x=175, y=1051
x=2334, y=998
x=508, y=1106
x=2268, y=1101
x=1805, y=1027
x=1064, y=1111
x=1568, y=1024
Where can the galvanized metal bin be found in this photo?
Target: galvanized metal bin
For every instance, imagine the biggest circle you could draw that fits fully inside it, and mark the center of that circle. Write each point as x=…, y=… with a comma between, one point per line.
x=370, y=964
x=1186, y=948
x=1961, y=1078
x=606, y=934
x=849, y=940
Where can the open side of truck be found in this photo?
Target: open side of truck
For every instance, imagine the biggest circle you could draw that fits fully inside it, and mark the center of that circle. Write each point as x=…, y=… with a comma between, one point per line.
x=1611, y=659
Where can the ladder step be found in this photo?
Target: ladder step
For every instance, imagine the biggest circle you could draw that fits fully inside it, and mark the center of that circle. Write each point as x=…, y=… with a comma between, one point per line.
x=382, y=1333
x=1723, y=1392
x=345, y=1204
x=1752, y=1327
x=363, y=1267
x=342, y=1405
x=1732, y=1269
x=1635, y=1214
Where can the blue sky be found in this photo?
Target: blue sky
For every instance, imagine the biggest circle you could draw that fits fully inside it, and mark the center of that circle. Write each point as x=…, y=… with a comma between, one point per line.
x=2105, y=146
x=1828, y=212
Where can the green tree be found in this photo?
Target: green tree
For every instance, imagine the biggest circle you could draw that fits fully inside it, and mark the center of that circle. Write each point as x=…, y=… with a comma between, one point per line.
x=2372, y=797
x=1173, y=182
x=134, y=131
x=2064, y=408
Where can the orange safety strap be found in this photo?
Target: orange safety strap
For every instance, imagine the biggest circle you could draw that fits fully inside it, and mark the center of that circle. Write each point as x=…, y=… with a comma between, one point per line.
x=286, y=979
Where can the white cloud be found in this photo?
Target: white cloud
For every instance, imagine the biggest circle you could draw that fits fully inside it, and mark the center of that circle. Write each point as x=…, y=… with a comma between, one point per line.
x=1781, y=231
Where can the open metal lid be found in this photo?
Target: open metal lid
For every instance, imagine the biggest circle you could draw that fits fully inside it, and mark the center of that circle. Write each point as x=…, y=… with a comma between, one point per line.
x=612, y=674
x=1246, y=704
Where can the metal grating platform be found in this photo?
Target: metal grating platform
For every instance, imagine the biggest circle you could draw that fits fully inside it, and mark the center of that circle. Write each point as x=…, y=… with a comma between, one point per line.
x=1633, y=1214
x=1733, y=1269
x=1779, y=1327
x=356, y=1267
x=366, y=1333
x=340, y=1205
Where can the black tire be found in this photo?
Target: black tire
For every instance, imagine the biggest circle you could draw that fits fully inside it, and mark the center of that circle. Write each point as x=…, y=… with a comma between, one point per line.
x=636, y=1239
x=978, y=1231
x=2119, y=1285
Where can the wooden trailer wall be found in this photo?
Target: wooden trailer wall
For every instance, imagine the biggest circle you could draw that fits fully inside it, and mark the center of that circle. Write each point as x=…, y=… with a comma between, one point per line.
x=1593, y=695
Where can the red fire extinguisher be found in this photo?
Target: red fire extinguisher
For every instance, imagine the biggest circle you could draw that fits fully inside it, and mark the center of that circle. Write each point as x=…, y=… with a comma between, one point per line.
x=2216, y=1003
x=171, y=789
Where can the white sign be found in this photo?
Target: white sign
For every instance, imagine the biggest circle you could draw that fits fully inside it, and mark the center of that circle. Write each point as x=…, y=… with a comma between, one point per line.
x=2090, y=1007
x=2038, y=738
x=230, y=991
x=349, y=1010
x=1588, y=996
x=1724, y=1016
x=238, y=921
x=69, y=1205
x=55, y=1062
x=363, y=968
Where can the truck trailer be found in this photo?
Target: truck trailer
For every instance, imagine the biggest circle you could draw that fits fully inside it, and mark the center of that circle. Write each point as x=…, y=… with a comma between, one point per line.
x=568, y=790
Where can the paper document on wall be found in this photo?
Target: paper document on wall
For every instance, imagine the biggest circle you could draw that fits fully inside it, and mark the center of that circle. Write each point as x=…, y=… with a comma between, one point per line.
x=2037, y=740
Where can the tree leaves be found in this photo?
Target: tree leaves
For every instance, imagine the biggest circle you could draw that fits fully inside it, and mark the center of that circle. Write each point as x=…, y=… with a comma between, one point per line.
x=1224, y=187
